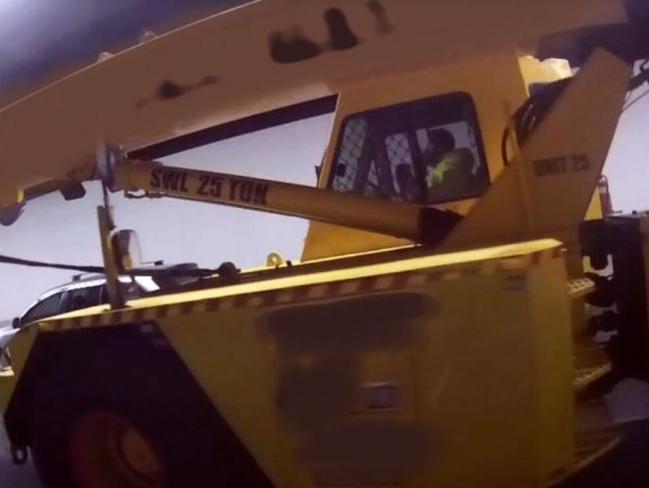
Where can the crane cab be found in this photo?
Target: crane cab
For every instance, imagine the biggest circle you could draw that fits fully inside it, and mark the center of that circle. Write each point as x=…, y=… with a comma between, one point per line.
x=432, y=137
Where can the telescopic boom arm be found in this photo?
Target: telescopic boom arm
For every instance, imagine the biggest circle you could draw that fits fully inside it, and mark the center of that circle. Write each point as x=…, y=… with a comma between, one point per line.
x=417, y=223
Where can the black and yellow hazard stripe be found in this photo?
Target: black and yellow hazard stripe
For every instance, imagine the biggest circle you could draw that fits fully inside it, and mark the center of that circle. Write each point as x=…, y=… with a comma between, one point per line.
x=303, y=293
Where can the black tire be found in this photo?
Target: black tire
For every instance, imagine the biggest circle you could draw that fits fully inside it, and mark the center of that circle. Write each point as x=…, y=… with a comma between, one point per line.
x=180, y=445
x=159, y=400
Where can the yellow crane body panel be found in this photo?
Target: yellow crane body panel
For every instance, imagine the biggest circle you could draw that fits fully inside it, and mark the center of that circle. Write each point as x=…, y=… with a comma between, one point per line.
x=402, y=372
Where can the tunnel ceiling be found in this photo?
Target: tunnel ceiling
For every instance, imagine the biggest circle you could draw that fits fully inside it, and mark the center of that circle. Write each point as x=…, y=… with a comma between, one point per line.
x=41, y=40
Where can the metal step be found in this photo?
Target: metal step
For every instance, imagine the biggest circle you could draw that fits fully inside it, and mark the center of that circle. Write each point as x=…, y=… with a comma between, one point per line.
x=596, y=432
x=591, y=364
x=577, y=290
x=586, y=376
x=580, y=287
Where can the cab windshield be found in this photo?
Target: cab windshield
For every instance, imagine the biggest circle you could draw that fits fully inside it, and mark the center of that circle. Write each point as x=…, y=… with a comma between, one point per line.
x=428, y=151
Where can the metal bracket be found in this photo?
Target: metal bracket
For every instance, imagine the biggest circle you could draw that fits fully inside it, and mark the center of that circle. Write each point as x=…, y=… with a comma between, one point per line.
x=111, y=261
x=107, y=158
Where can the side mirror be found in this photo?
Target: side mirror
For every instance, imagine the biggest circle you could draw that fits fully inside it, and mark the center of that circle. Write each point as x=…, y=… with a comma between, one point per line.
x=16, y=323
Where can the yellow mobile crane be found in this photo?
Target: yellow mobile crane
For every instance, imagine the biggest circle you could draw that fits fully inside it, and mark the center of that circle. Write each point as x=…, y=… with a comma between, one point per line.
x=434, y=333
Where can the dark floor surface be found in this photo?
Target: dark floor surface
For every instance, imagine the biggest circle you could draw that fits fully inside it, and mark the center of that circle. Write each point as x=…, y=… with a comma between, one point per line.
x=625, y=467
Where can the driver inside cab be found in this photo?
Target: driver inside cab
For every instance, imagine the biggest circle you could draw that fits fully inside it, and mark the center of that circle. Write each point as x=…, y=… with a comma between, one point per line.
x=448, y=171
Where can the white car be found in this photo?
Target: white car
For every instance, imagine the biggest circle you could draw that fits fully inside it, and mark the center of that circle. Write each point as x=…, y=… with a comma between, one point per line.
x=6, y=333
x=90, y=290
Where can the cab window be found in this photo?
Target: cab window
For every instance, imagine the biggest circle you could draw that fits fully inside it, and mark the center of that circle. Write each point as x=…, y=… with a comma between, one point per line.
x=428, y=151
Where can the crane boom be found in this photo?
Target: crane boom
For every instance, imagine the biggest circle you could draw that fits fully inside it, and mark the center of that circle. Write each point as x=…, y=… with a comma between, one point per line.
x=168, y=87
x=405, y=220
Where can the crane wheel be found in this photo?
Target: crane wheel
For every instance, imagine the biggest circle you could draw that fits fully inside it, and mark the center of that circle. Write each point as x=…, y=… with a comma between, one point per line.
x=94, y=442
x=141, y=421
x=108, y=450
